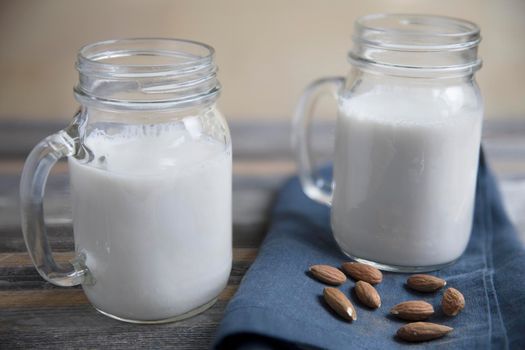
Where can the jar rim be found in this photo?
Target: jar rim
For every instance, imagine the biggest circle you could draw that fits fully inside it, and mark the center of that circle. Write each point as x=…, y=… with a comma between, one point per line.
x=416, y=31
x=115, y=57
x=415, y=45
x=147, y=73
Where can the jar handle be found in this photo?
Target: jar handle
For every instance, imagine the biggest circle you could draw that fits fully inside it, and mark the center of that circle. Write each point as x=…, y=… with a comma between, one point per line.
x=314, y=186
x=32, y=186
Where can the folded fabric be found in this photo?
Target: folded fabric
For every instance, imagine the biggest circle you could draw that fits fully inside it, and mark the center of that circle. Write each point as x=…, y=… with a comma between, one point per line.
x=278, y=306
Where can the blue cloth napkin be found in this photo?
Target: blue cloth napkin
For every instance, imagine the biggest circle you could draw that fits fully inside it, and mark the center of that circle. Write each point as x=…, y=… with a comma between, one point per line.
x=278, y=306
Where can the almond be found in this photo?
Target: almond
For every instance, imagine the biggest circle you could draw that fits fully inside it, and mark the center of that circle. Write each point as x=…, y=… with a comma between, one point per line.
x=328, y=274
x=367, y=294
x=422, y=331
x=453, y=302
x=339, y=303
x=425, y=283
x=414, y=310
x=363, y=272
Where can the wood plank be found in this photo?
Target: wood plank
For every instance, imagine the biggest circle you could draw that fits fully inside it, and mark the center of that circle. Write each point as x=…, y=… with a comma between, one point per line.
x=250, y=137
x=254, y=185
x=12, y=260
x=511, y=163
x=252, y=191
x=13, y=166
x=26, y=279
x=64, y=297
x=18, y=274
x=22, y=260
x=252, y=196
x=248, y=235
x=60, y=238
x=241, y=167
x=42, y=298
x=81, y=327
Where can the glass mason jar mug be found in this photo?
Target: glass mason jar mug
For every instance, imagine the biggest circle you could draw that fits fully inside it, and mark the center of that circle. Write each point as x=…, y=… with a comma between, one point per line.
x=150, y=166
x=407, y=142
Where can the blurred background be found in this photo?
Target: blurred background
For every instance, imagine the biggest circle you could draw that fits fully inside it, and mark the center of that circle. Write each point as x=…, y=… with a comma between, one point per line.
x=267, y=51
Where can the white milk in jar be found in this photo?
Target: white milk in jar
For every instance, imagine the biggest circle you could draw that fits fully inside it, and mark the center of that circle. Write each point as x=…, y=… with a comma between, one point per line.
x=150, y=163
x=152, y=215
x=404, y=171
x=407, y=142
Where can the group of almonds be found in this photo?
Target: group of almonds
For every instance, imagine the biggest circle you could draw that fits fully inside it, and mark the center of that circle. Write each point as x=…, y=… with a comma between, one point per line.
x=415, y=310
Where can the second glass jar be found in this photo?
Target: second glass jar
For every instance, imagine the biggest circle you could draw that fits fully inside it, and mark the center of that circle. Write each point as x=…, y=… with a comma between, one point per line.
x=407, y=142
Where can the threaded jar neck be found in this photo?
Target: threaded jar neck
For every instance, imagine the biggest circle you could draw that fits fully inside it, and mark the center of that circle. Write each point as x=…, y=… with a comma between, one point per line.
x=150, y=73
x=416, y=45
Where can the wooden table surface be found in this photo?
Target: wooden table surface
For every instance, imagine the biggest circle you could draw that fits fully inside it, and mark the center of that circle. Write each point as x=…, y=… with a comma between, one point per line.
x=37, y=314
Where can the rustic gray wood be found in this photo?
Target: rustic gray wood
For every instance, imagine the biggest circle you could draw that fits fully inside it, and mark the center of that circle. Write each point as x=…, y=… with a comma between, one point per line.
x=263, y=139
x=81, y=327
x=36, y=314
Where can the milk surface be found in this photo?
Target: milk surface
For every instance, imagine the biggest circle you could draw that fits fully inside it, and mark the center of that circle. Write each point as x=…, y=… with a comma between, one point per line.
x=152, y=214
x=405, y=172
